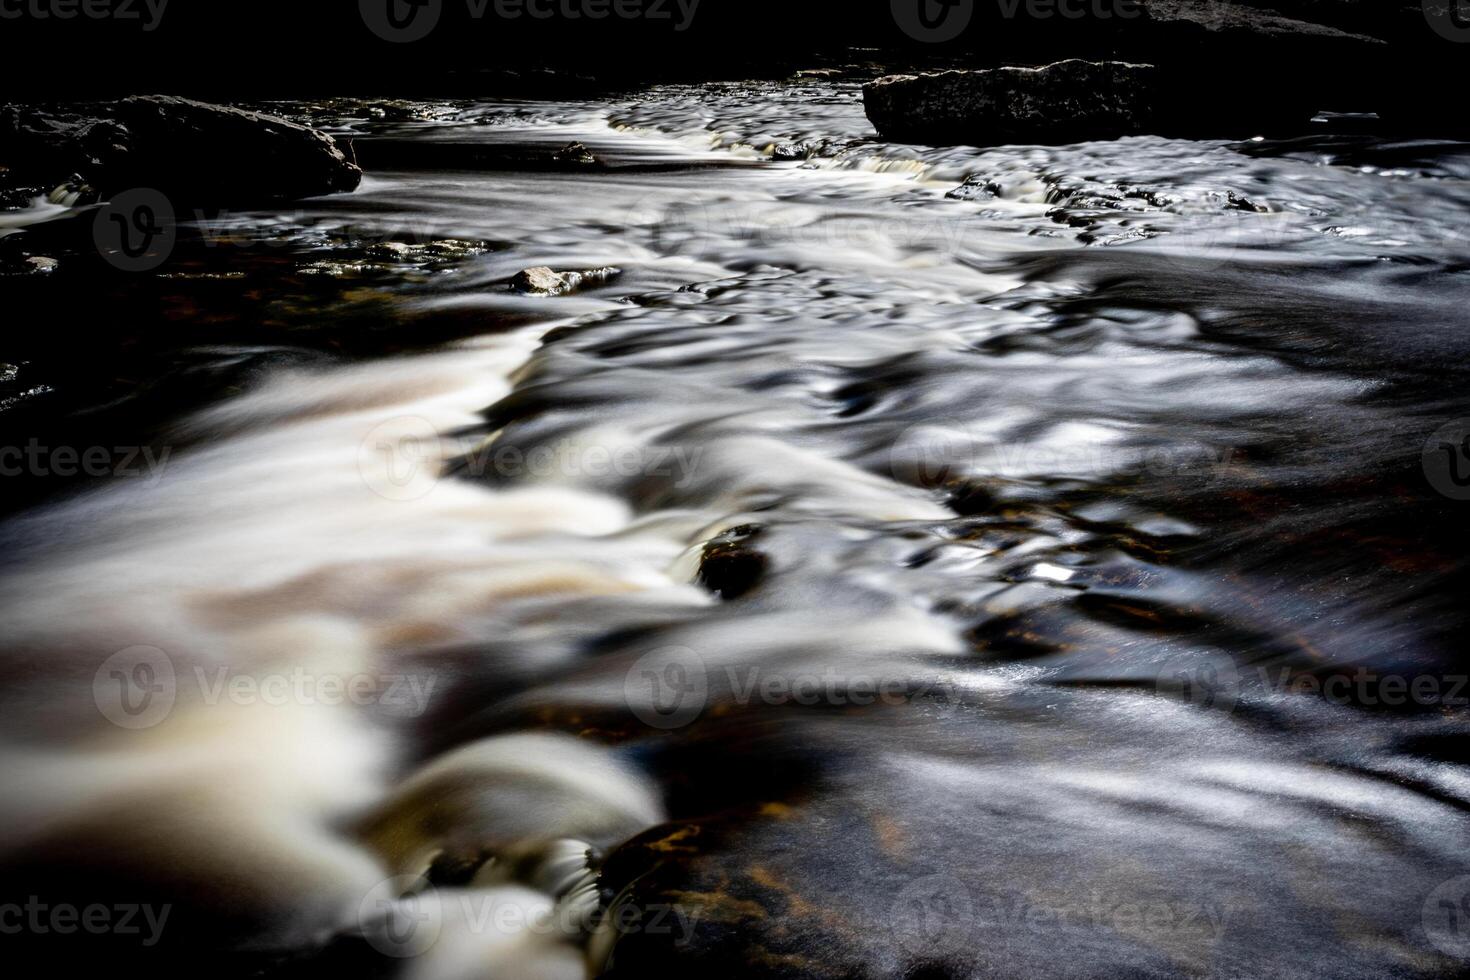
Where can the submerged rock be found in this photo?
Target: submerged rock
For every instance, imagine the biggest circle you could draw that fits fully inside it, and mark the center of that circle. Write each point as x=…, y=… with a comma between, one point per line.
x=193, y=152
x=1066, y=102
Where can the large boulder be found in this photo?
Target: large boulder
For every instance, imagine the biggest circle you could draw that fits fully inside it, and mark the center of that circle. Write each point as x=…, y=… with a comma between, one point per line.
x=194, y=152
x=1244, y=59
x=1224, y=68
x=1067, y=102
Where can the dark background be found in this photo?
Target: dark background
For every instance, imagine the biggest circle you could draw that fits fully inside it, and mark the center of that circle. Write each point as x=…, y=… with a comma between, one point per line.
x=301, y=48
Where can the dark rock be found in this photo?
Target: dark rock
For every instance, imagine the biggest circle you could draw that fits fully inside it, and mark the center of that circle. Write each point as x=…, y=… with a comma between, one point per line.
x=730, y=567
x=1066, y=102
x=574, y=153
x=17, y=198
x=800, y=150
x=1244, y=22
x=1223, y=69
x=1236, y=69
x=193, y=152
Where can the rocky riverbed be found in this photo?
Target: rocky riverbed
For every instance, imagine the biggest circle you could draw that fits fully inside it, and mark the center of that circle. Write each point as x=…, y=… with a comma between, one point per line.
x=685, y=533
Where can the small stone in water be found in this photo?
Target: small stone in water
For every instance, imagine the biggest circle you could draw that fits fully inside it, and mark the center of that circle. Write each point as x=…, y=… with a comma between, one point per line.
x=540, y=280
x=575, y=153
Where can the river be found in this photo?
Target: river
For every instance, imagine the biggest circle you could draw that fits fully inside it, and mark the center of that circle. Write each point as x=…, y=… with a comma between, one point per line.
x=889, y=562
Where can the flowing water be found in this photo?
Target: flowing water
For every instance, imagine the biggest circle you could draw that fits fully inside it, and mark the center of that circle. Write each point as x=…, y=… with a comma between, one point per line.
x=891, y=561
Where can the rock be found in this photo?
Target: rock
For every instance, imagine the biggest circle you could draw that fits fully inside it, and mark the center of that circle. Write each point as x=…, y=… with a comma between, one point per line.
x=1283, y=64
x=72, y=193
x=802, y=150
x=193, y=152
x=18, y=198
x=1066, y=102
x=1227, y=69
x=975, y=188
x=42, y=263
x=730, y=567
x=574, y=153
x=1248, y=21
x=541, y=281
